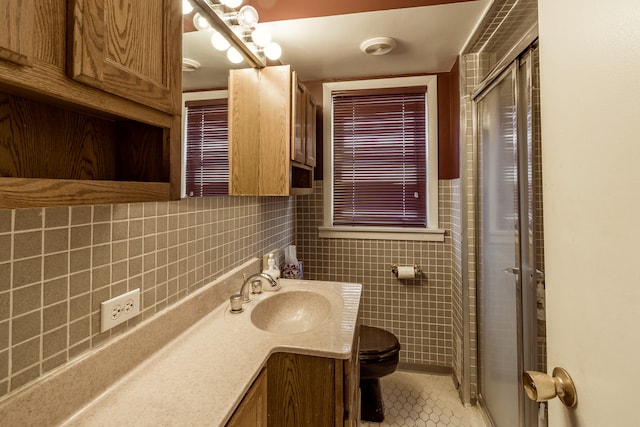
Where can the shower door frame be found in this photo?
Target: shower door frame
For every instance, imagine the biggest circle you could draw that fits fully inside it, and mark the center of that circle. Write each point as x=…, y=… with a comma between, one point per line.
x=525, y=274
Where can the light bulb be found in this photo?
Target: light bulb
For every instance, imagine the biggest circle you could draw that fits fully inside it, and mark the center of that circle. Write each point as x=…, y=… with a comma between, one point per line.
x=234, y=56
x=261, y=36
x=273, y=51
x=232, y=3
x=201, y=23
x=248, y=16
x=186, y=7
x=219, y=41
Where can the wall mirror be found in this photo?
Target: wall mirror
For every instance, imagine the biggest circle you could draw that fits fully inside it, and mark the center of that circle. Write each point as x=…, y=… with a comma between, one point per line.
x=220, y=35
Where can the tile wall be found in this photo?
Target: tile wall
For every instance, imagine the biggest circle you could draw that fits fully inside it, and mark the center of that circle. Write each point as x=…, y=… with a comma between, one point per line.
x=472, y=69
x=418, y=312
x=58, y=264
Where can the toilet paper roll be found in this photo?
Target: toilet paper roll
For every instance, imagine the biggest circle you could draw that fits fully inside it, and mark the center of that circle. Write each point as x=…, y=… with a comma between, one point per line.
x=406, y=272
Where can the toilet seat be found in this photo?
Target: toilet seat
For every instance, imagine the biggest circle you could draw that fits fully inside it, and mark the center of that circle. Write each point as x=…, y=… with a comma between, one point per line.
x=377, y=344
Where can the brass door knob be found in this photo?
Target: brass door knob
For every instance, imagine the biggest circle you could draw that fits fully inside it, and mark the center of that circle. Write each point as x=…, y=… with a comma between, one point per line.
x=541, y=387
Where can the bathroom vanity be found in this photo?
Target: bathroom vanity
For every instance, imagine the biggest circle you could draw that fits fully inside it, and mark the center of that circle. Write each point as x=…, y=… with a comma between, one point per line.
x=199, y=364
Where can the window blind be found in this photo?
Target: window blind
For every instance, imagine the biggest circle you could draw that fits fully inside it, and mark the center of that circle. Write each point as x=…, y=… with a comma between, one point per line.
x=380, y=158
x=207, y=148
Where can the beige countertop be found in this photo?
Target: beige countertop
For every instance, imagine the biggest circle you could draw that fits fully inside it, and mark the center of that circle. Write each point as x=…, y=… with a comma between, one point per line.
x=201, y=376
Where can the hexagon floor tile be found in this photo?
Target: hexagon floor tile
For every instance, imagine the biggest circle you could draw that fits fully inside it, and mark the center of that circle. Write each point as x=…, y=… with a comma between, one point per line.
x=424, y=400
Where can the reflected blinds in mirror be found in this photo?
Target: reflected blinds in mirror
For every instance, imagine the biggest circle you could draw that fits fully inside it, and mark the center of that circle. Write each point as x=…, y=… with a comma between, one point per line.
x=380, y=157
x=207, y=147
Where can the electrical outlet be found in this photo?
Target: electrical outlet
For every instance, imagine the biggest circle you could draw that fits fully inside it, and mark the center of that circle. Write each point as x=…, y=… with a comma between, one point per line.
x=119, y=309
x=265, y=258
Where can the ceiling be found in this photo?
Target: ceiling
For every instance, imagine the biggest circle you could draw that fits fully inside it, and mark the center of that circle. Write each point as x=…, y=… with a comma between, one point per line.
x=321, y=39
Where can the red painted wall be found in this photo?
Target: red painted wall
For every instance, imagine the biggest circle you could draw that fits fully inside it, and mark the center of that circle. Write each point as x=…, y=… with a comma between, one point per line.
x=448, y=124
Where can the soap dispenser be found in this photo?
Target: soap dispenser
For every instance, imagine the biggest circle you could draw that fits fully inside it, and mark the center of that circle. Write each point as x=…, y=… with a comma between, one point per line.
x=272, y=270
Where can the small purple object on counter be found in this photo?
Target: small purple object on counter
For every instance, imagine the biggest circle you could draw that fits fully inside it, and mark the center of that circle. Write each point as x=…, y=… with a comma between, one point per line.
x=292, y=271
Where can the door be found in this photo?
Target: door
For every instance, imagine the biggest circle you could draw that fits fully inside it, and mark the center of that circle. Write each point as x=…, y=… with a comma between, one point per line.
x=130, y=48
x=589, y=62
x=507, y=272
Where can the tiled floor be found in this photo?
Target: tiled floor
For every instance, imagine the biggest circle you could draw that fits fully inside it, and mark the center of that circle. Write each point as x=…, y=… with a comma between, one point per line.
x=423, y=400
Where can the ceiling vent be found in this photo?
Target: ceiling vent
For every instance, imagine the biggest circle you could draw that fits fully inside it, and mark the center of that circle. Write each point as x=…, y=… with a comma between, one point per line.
x=378, y=45
x=190, y=64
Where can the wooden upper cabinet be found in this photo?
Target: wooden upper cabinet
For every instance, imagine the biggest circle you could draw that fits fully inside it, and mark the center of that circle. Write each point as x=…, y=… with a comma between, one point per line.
x=129, y=48
x=18, y=27
x=310, y=130
x=266, y=123
x=298, y=131
x=303, y=131
x=90, y=96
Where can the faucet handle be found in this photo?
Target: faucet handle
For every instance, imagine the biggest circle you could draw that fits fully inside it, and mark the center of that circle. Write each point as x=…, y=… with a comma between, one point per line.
x=236, y=303
x=256, y=286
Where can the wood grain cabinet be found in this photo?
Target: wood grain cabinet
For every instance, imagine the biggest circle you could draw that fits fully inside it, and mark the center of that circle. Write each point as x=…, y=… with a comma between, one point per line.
x=303, y=137
x=126, y=48
x=252, y=411
x=269, y=133
x=314, y=391
x=89, y=102
x=16, y=43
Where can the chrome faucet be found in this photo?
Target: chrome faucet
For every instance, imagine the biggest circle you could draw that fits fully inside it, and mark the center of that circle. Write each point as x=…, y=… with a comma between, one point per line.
x=244, y=289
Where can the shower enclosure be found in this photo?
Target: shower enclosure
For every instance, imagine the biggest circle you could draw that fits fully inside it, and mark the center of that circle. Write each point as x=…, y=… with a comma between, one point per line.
x=509, y=239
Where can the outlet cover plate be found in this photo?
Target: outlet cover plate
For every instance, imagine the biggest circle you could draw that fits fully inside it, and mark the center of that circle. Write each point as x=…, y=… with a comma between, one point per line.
x=119, y=309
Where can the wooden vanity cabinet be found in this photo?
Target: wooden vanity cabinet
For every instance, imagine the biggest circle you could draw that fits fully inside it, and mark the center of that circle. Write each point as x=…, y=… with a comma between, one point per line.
x=267, y=133
x=252, y=411
x=89, y=102
x=314, y=391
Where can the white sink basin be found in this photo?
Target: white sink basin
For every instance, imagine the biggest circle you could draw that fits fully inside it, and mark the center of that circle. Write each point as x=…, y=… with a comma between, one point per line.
x=292, y=312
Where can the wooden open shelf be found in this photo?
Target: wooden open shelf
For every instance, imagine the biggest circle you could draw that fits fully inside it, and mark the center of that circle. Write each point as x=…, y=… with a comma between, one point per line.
x=58, y=156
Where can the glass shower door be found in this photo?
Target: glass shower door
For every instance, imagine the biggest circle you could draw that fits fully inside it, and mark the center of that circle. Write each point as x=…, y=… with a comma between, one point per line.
x=499, y=340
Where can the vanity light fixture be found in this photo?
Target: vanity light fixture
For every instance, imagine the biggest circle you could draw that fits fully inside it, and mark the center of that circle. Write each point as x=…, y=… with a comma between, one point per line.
x=273, y=51
x=248, y=16
x=186, y=7
x=261, y=36
x=231, y=3
x=219, y=41
x=234, y=56
x=236, y=29
x=201, y=23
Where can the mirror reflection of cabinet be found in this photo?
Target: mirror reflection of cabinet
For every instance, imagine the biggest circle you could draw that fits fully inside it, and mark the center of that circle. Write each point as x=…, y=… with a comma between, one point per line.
x=303, y=149
x=269, y=133
x=310, y=130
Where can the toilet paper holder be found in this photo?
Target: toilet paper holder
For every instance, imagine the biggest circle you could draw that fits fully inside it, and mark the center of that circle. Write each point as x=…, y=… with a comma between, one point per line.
x=416, y=270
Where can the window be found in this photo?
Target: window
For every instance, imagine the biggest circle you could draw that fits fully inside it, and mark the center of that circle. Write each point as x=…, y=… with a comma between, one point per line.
x=206, y=162
x=381, y=150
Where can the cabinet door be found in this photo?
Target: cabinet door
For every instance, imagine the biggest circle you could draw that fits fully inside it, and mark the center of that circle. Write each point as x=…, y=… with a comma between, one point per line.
x=252, y=411
x=130, y=48
x=244, y=132
x=298, y=131
x=18, y=29
x=303, y=390
x=275, y=130
x=310, y=130
x=352, y=383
